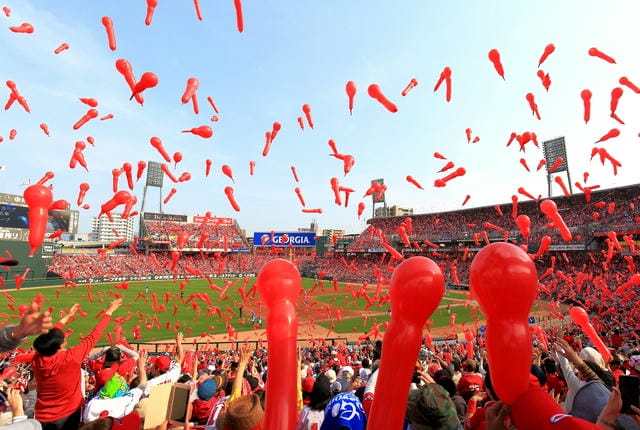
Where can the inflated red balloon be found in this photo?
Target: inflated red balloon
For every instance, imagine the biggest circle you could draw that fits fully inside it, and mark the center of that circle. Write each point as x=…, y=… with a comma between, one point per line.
x=192, y=86
x=196, y=4
x=627, y=83
x=595, y=52
x=151, y=6
x=126, y=70
x=300, y=197
x=84, y=187
x=375, y=93
x=177, y=157
x=413, y=181
x=503, y=279
x=412, y=84
x=252, y=166
x=203, y=131
x=351, y=93
x=157, y=143
x=168, y=197
x=91, y=102
x=119, y=198
x=417, y=287
x=494, y=57
x=279, y=285
x=147, y=80
x=140, y=171
x=38, y=197
x=207, y=167
x=25, y=27
x=91, y=114
x=581, y=318
x=232, y=200
x=226, y=170
x=306, y=109
x=524, y=224
x=548, y=50
x=239, y=20
x=128, y=169
x=62, y=47
x=45, y=128
x=550, y=209
x=111, y=36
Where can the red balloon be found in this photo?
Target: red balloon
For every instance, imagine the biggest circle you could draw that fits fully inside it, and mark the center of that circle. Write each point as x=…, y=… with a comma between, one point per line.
x=38, y=197
x=232, y=200
x=279, y=284
x=581, y=318
x=307, y=113
x=494, y=57
x=147, y=80
x=586, y=101
x=177, y=157
x=376, y=93
x=524, y=224
x=157, y=143
x=207, y=167
x=141, y=166
x=192, y=85
x=119, y=198
x=227, y=171
x=504, y=281
x=127, y=171
x=550, y=209
x=351, y=93
x=84, y=187
x=25, y=27
x=91, y=114
x=111, y=36
x=203, y=131
x=417, y=287
x=151, y=5
x=239, y=20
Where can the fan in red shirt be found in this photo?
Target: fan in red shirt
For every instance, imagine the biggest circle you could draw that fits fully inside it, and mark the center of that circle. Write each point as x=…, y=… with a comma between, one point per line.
x=57, y=372
x=470, y=382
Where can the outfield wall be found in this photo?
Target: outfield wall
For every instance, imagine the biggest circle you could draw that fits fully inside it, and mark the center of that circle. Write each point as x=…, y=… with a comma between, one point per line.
x=32, y=269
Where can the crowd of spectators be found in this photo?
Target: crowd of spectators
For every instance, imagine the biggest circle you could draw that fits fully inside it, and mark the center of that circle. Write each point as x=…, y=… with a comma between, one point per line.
x=571, y=384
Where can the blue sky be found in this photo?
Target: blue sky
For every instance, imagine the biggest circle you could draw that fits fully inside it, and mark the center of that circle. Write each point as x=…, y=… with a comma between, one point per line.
x=303, y=52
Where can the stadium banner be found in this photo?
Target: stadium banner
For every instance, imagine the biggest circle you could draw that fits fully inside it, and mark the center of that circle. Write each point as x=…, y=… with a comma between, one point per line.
x=152, y=216
x=162, y=277
x=212, y=220
x=283, y=239
x=567, y=247
x=84, y=251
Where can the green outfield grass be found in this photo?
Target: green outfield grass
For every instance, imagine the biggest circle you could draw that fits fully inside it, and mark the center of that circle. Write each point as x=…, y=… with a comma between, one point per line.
x=174, y=312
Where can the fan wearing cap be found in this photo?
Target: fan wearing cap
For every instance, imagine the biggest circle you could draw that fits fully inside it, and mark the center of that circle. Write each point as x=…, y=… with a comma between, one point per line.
x=115, y=400
x=32, y=322
x=204, y=401
x=58, y=376
x=163, y=369
x=312, y=414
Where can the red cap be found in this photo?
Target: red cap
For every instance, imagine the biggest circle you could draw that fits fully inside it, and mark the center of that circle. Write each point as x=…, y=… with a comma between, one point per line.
x=162, y=362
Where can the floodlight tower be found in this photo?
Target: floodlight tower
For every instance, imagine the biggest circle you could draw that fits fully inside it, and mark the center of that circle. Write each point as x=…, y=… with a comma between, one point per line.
x=155, y=177
x=555, y=151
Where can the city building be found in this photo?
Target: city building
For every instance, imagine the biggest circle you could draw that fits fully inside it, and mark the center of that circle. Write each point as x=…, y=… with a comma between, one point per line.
x=390, y=211
x=103, y=230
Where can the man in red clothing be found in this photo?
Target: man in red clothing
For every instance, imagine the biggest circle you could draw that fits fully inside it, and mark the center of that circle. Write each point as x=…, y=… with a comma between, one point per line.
x=470, y=382
x=57, y=372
